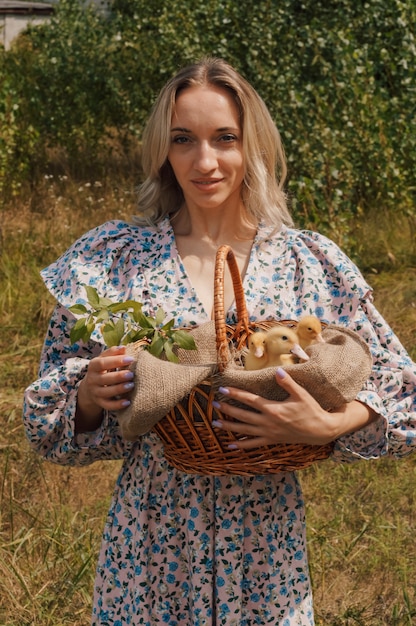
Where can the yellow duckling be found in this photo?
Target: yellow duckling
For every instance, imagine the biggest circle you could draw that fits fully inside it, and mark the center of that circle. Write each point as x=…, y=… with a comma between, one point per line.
x=255, y=357
x=309, y=331
x=282, y=347
x=277, y=346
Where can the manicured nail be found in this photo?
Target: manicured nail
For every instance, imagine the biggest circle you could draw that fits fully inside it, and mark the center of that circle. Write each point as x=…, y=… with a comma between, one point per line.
x=128, y=386
x=215, y=404
x=232, y=446
x=217, y=424
x=128, y=375
x=128, y=359
x=125, y=403
x=224, y=390
x=280, y=372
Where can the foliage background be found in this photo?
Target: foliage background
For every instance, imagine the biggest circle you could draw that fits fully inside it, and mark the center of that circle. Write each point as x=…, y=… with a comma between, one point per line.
x=339, y=78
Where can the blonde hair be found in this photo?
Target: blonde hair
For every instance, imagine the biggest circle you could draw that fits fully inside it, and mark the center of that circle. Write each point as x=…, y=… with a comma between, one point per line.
x=262, y=192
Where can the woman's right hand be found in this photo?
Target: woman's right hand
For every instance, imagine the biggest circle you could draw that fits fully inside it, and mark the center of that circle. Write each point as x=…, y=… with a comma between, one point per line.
x=104, y=387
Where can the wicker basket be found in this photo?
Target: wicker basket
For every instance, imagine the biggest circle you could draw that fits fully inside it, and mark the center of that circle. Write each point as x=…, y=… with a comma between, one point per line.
x=190, y=442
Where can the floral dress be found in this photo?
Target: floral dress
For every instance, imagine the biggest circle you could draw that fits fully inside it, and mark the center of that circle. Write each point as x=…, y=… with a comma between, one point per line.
x=192, y=550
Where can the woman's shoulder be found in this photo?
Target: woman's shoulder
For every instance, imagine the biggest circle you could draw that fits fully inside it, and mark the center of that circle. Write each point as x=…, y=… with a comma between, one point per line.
x=105, y=257
x=115, y=234
x=312, y=243
x=308, y=238
x=314, y=250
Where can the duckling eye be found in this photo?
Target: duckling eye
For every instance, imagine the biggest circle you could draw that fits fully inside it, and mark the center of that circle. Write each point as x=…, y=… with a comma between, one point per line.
x=285, y=337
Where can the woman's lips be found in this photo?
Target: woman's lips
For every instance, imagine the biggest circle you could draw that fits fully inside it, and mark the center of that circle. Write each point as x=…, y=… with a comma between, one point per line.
x=206, y=184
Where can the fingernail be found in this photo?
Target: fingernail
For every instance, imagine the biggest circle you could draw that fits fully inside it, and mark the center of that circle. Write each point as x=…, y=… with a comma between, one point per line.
x=128, y=386
x=128, y=375
x=217, y=424
x=280, y=372
x=232, y=446
x=215, y=404
x=224, y=390
x=128, y=359
x=125, y=403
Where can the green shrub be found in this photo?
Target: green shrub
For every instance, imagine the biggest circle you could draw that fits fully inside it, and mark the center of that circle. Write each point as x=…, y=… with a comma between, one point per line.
x=338, y=77
x=18, y=138
x=61, y=75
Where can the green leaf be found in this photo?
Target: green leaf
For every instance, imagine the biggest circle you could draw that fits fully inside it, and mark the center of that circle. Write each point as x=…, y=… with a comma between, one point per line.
x=105, y=303
x=160, y=316
x=92, y=296
x=90, y=326
x=127, y=306
x=156, y=347
x=102, y=315
x=168, y=326
x=94, y=300
x=145, y=322
x=79, y=332
x=184, y=339
x=170, y=355
x=137, y=312
x=113, y=333
x=145, y=333
x=78, y=309
x=133, y=335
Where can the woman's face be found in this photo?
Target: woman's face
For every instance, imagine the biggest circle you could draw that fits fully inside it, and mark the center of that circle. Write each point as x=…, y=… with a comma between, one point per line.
x=206, y=151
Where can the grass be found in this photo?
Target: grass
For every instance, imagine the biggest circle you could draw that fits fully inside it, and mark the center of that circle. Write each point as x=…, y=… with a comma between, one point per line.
x=360, y=517
x=360, y=526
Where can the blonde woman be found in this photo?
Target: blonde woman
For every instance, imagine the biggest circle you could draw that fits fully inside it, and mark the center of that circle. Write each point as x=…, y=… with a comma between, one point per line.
x=195, y=550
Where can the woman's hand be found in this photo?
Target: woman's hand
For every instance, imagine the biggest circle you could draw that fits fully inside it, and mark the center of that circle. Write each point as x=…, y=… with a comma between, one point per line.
x=298, y=419
x=104, y=387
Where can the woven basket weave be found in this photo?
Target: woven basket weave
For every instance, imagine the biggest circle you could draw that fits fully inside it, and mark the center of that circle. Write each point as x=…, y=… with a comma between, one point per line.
x=191, y=444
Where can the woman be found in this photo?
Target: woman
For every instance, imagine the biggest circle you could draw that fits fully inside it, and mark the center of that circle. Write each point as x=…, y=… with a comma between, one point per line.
x=189, y=549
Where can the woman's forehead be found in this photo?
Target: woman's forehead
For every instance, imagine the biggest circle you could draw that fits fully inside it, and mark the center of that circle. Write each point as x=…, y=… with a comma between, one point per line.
x=208, y=103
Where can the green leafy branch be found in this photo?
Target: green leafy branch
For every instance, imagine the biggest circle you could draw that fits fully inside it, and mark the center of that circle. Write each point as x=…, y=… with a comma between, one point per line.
x=121, y=323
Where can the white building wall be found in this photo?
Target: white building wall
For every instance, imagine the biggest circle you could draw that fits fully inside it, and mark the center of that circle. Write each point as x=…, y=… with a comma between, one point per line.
x=12, y=25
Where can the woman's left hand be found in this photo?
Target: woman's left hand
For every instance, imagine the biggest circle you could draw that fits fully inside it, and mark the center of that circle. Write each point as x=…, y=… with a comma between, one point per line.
x=298, y=419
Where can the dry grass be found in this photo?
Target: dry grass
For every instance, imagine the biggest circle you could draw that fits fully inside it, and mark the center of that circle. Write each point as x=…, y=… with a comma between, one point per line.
x=361, y=517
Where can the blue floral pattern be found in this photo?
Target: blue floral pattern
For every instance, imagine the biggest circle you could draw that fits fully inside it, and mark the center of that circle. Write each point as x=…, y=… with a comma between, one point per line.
x=194, y=550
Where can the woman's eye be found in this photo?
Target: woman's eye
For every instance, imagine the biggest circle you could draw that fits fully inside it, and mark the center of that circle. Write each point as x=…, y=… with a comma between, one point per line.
x=180, y=139
x=228, y=138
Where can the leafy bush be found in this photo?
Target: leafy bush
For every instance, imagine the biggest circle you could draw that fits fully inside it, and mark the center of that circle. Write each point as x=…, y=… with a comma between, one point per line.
x=18, y=137
x=338, y=77
x=60, y=74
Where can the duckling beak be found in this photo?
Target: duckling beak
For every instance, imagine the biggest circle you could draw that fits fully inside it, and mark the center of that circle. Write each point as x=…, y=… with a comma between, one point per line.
x=259, y=352
x=319, y=338
x=301, y=354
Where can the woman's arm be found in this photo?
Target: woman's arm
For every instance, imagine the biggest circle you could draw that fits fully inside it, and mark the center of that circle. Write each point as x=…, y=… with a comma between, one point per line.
x=298, y=419
x=64, y=418
x=103, y=388
x=380, y=421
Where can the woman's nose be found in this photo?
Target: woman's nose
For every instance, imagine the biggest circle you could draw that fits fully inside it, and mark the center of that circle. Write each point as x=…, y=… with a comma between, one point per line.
x=205, y=157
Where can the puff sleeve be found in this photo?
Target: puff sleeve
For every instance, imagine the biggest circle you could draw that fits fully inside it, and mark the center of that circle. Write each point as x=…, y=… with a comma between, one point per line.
x=106, y=258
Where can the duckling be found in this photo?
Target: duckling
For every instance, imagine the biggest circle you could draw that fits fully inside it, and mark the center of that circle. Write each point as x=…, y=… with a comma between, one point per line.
x=309, y=331
x=282, y=347
x=255, y=357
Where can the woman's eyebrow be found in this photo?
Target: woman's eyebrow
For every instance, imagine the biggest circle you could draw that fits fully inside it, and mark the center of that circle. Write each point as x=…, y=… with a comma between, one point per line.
x=186, y=130
x=179, y=129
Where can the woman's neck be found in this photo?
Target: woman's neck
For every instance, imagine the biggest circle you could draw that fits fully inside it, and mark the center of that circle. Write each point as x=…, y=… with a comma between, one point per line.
x=217, y=227
x=198, y=238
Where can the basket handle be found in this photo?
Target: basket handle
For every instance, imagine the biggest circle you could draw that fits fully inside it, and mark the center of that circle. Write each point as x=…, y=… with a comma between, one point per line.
x=226, y=254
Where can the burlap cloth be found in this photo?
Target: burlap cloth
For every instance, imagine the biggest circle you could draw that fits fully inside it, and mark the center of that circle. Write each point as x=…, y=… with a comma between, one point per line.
x=334, y=374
